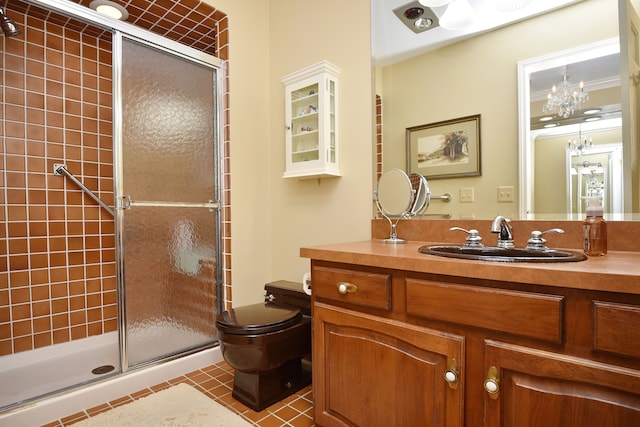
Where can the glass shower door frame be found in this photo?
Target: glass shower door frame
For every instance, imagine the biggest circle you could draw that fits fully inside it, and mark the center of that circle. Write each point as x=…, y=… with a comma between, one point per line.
x=122, y=202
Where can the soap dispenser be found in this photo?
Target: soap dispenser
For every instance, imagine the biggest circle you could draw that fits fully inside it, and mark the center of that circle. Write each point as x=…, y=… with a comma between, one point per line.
x=594, y=229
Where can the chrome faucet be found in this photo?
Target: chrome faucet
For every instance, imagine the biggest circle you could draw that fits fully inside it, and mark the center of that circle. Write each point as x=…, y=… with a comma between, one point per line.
x=502, y=228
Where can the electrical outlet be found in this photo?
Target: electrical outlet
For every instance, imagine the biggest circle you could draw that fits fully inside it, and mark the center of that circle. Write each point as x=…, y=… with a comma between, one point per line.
x=466, y=195
x=505, y=193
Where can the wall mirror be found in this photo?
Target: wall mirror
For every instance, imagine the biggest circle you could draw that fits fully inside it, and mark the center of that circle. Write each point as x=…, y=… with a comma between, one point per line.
x=478, y=74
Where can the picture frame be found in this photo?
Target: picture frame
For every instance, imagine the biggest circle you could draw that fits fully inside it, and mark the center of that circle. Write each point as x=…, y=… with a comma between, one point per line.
x=446, y=149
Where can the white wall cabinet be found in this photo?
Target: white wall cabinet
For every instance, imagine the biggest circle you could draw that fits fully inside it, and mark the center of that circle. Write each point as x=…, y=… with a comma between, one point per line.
x=311, y=104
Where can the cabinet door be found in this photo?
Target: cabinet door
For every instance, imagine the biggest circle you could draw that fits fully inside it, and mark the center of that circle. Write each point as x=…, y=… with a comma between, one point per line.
x=542, y=389
x=370, y=371
x=303, y=104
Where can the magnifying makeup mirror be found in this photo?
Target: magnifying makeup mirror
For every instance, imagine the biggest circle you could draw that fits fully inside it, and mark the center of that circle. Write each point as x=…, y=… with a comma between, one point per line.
x=422, y=196
x=400, y=196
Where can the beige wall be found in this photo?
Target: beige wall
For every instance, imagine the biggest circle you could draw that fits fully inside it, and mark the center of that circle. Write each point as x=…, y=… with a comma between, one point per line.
x=479, y=76
x=273, y=217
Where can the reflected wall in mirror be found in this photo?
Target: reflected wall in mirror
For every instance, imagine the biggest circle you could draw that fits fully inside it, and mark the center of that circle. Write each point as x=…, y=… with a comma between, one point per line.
x=478, y=75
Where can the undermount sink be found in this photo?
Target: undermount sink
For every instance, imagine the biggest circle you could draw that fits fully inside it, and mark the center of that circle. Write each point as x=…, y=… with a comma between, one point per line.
x=492, y=253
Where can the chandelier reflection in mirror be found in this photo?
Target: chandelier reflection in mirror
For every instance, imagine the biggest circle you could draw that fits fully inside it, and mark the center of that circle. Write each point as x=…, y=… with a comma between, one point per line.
x=581, y=145
x=564, y=99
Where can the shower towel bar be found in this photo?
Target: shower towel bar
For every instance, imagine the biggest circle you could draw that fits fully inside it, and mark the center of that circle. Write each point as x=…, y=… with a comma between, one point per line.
x=60, y=169
x=446, y=197
x=128, y=203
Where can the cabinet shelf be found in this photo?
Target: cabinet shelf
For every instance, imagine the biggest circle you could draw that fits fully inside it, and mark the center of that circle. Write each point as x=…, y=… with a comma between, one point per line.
x=312, y=125
x=304, y=116
x=312, y=150
x=304, y=98
x=303, y=134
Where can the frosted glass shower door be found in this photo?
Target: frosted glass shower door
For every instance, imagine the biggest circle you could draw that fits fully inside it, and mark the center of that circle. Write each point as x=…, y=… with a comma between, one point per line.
x=169, y=185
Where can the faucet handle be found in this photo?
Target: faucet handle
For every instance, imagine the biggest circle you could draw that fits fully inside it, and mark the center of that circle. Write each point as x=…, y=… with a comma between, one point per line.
x=536, y=241
x=473, y=237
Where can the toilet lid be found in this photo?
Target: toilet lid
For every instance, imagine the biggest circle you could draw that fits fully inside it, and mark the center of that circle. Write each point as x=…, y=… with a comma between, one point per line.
x=257, y=319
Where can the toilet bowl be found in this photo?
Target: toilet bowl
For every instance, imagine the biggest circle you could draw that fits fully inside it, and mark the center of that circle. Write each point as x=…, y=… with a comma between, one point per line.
x=268, y=345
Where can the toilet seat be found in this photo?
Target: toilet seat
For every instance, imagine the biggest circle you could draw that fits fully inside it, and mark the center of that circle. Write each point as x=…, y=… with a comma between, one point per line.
x=257, y=319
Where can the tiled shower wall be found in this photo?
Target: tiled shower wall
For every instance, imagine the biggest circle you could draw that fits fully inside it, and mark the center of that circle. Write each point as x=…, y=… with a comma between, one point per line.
x=57, y=256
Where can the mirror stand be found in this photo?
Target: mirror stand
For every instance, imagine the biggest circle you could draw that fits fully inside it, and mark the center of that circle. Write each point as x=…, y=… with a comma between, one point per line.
x=393, y=234
x=401, y=196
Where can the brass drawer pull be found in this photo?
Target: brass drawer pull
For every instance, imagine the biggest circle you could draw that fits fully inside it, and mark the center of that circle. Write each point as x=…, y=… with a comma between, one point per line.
x=346, y=288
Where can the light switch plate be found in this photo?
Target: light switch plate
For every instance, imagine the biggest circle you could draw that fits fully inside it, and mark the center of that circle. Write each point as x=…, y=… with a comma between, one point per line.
x=505, y=193
x=466, y=195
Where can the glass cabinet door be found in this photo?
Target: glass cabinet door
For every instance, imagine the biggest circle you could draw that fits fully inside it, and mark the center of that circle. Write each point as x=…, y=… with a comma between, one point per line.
x=304, y=124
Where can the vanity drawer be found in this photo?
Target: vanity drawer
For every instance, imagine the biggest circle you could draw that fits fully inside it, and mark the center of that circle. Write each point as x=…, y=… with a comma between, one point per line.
x=526, y=314
x=354, y=287
x=615, y=328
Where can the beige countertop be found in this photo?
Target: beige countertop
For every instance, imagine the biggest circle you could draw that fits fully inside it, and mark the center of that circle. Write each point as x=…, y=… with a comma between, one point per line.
x=616, y=272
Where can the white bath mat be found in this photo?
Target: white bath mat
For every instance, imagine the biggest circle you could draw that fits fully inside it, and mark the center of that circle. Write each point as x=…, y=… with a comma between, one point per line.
x=178, y=406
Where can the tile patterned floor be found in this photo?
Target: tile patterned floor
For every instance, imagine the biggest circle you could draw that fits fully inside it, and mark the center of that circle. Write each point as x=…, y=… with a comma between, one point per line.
x=216, y=381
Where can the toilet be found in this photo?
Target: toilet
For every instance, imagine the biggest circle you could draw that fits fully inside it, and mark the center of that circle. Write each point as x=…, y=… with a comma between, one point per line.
x=269, y=345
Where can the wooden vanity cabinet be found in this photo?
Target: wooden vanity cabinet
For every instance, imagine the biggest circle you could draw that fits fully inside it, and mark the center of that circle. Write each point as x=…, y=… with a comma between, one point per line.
x=370, y=369
x=385, y=342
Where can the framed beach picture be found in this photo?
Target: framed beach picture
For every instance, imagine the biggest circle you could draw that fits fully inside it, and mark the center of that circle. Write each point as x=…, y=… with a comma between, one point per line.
x=447, y=149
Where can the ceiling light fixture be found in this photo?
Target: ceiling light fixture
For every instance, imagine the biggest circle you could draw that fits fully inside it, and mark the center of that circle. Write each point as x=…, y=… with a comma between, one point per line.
x=423, y=23
x=581, y=145
x=564, y=98
x=510, y=5
x=110, y=9
x=458, y=15
x=417, y=18
x=413, y=12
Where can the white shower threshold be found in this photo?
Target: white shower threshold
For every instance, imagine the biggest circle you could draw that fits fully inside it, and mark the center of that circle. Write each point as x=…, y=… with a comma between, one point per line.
x=56, y=407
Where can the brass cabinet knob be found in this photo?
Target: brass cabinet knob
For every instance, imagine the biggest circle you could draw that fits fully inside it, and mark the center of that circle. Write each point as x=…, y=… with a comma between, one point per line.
x=451, y=375
x=346, y=288
x=492, y=383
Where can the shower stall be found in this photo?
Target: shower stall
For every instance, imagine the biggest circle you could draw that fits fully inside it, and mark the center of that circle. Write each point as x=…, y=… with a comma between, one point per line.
x=91, y=292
